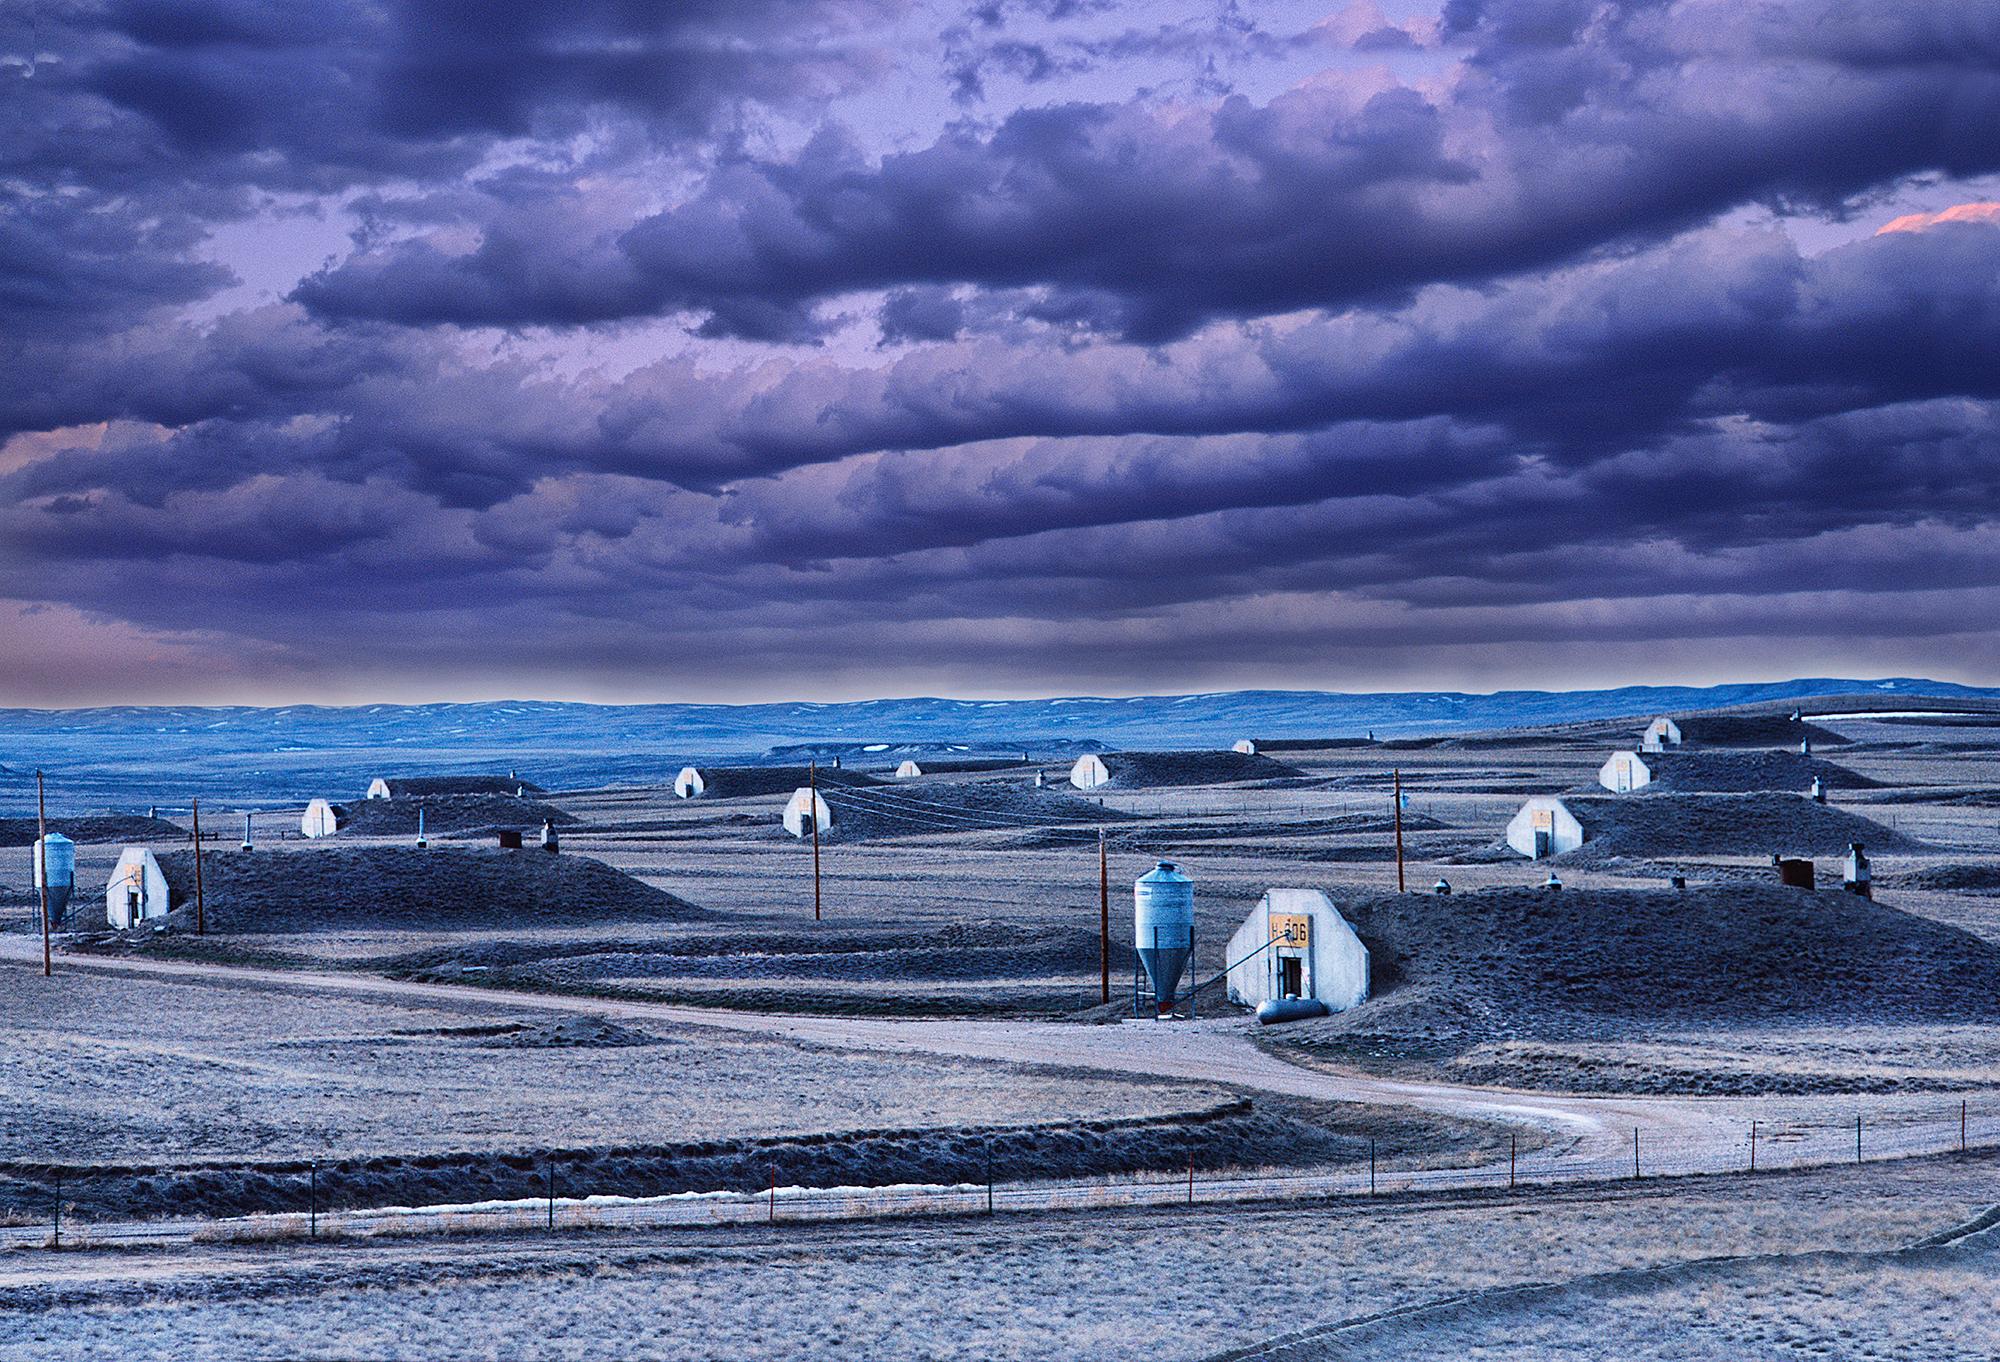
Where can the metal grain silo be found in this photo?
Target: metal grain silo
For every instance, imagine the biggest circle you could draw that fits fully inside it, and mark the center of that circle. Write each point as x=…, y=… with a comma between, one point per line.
x=1163, y=928
x=55, y=866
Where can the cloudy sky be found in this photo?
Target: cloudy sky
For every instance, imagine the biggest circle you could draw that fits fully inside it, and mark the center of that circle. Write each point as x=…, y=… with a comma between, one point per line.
x=416, y=349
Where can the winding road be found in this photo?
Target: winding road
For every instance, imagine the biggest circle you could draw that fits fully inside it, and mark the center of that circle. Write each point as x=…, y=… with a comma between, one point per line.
x=1577, y=1135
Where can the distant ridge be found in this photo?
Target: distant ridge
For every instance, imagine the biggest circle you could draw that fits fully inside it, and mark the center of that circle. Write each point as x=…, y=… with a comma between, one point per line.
x=296, y=750
x=1196, y=718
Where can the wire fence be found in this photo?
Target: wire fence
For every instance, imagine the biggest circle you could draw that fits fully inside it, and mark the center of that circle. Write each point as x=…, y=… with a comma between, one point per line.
x=1761, y=1146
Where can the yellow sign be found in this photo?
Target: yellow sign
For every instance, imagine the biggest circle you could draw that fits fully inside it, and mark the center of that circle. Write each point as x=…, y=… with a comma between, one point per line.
x=1291, y=929
x=1545, y=820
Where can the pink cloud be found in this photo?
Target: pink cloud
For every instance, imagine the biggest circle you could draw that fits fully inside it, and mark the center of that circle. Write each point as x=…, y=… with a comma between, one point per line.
x=1964, y=212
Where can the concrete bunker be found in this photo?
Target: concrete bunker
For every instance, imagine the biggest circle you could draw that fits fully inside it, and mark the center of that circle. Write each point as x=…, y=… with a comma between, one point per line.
x=1660, y=734
x=806, y=807
x=1625, y=772
x=1544, y=827
x=136, y=891
x=322, y=818
x=1295, y=944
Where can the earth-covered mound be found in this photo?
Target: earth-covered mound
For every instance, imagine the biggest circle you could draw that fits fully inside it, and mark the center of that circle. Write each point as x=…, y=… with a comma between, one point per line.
x=1721, y=825
x=889, y=811
x=99, y=827
x=449, y=813
x=1746, y=772
x=1146, y=770
x=443, y=888
x=1963, y=876
x=1450, y=973
x=965, y=766
x=417, y=787
x=1755, y=730
x=739, y=782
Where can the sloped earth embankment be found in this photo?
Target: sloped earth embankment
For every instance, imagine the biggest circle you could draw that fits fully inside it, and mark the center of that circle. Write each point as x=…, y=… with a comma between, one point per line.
x=1712, y=989
x=1226, y=1135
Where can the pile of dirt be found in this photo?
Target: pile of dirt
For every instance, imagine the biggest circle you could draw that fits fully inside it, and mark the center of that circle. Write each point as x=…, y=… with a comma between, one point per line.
x=446, y=889
x=1148, y=770
x=1309, y=744
x=1502, y=965
x=1755, y=730
x=1968, y=877
x=571, y=1033
x=888, y=811
x=740, y=782
x=101, y=827
x=1721, y=825
x=442, y=814
x=418, y=787
x=1746, y=772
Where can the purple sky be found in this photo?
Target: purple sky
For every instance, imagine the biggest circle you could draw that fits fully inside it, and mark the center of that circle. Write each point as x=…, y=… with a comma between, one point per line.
x=726, y=350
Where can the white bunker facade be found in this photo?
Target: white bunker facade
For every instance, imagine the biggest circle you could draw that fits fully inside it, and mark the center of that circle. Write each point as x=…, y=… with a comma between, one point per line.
x=1544, y=827
x=1625, y=772
x=908, y=769
x=1660, y=734
x=322, y=818
x=136, y=890
x=689, y=783
x=1295, y=944
x=1089, y=772
x=803, y=809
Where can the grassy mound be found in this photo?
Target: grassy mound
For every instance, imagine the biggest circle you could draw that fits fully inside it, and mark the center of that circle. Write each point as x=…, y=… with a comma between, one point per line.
x=742, y=782
x=1608, y=964
x=862, y=813
x=1747, y=772
x=440, y=889
x=1147, y=770
x=1721, y=825
x=449, y=813
x=1755, y=730
x=1968, y=877
x=420, y=787
x=102, y=827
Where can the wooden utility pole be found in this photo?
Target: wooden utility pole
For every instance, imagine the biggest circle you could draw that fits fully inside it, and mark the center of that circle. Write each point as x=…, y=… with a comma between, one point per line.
x=812, y=816
x=42, y=864
x=1398, y=802
x=200, y=924
x=1103, y=918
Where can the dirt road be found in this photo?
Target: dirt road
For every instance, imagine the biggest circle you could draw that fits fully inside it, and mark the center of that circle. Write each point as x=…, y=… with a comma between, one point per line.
x=1675, y=1134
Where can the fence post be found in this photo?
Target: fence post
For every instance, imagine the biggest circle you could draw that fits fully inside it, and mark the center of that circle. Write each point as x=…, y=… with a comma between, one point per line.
x=552, y=1191
x=58, y=1240
x=1857, y=1137
x=1371, y=1168
x=1753, y=1146
x=989, y=1180
x=312, y=1200
x=774, y=1194
x=1635, y=1151
x=1190, y=1179
x=1961, y=1125
x=1513, y=1147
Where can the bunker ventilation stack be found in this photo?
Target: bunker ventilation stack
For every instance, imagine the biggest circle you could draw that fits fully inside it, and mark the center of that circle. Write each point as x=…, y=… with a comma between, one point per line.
x=1163, y=930
x=1854, y=877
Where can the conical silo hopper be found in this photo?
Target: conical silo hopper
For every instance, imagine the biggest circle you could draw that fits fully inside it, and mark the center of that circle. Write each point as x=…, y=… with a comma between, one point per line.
x=55, y=868
x=1163, y=929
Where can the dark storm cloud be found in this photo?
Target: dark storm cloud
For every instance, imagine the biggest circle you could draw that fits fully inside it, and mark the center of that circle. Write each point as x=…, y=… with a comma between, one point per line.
x=1566, y=132
x=1489, y=361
